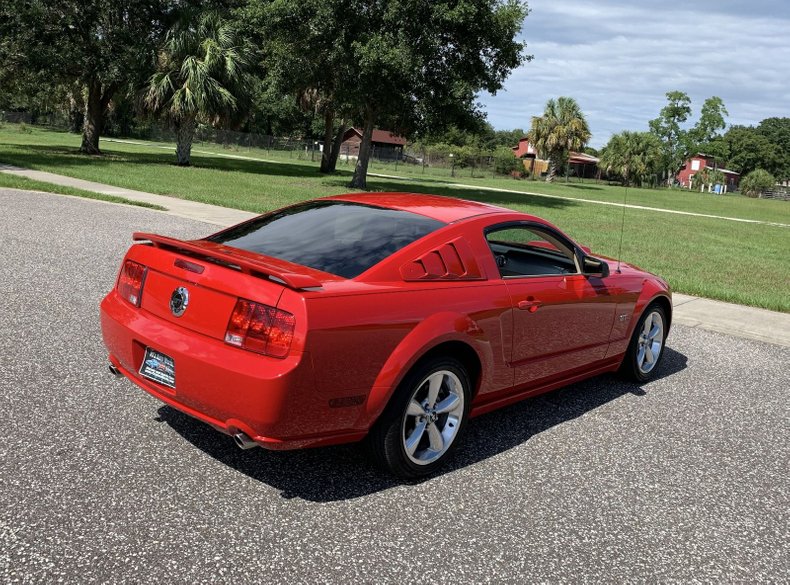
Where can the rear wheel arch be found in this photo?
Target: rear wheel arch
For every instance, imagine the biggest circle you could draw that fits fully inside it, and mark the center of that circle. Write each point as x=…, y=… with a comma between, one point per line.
x=424, y=419
x=448, y=337
x=464, y=353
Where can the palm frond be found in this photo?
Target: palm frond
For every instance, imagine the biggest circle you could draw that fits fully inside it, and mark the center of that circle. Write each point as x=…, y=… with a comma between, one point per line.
x=202, y=67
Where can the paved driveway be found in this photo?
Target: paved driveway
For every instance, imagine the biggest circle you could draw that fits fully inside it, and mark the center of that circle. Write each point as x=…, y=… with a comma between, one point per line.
x=683, y=478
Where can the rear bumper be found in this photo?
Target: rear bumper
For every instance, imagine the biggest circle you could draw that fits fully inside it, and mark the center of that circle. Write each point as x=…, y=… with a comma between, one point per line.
x=233, y=390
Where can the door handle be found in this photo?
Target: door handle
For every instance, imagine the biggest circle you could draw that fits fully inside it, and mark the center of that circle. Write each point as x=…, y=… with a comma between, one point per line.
x=530, y=306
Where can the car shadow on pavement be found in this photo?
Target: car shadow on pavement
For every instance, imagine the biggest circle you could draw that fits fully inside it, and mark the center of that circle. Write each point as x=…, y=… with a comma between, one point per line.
x=344, y=472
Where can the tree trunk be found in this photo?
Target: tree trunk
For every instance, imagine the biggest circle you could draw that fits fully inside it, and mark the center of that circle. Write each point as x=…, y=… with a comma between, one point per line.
x=94, y=120
x=338, y=143
x=185, y=133
x=326, y=155
x=552, y=168
x=360, y=178
x=332, y=143
x=76, y=112
x=98, y=100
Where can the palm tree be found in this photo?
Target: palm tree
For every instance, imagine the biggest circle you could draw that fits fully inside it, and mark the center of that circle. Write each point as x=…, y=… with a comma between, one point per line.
x=201, y=74
x=560, y=129
x=633, y=156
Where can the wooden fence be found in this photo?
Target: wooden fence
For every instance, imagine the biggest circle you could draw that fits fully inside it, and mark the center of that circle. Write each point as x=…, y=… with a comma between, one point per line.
x=783, y=194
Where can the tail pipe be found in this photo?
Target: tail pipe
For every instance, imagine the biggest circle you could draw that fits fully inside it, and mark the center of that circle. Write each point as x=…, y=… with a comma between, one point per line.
x=243, y=441
x=115, y=371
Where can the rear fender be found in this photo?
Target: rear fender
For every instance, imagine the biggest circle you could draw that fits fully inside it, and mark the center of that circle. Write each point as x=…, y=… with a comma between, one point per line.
x=430, y=333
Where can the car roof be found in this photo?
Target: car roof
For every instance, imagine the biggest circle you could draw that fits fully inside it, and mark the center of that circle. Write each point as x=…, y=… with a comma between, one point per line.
x=445, y=209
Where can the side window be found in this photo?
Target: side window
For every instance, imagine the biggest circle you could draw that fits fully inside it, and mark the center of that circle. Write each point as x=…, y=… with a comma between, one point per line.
x=528, y=251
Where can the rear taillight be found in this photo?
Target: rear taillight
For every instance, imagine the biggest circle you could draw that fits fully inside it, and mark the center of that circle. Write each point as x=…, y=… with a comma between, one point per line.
x=260, y=328
x=130, y=282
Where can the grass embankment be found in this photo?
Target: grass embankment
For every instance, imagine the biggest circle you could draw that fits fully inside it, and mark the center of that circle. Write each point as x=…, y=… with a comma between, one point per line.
x=732, y=261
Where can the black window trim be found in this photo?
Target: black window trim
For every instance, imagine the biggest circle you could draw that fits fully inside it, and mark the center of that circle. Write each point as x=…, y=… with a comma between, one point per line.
x=578, y=253
x=328, y=202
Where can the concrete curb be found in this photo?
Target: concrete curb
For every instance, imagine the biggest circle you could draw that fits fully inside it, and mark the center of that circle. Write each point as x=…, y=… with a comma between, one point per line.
x=732, y=319
x=728, y=318
x=222, y=216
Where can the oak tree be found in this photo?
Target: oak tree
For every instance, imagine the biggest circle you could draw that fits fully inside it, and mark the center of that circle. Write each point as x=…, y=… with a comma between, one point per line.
x=398, y=64
x=101, y=45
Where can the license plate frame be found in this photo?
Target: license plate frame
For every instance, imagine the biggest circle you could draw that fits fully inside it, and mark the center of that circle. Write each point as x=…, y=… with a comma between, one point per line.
x=159, y=367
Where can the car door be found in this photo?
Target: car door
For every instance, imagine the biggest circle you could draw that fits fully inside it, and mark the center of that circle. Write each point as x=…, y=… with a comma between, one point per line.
x=562, y=318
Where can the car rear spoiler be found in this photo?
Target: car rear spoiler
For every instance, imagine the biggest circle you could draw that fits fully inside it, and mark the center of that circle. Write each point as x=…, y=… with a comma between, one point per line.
x=255, y=267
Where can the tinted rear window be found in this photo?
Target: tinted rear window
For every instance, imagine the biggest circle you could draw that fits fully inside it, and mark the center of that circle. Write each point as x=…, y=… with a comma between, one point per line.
x=334, y=236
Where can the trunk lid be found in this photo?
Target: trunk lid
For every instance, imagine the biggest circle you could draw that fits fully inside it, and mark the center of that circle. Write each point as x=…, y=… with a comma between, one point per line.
x=196, y=284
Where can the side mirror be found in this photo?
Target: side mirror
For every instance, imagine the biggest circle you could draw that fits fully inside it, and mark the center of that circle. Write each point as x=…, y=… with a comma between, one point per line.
x=595, y=267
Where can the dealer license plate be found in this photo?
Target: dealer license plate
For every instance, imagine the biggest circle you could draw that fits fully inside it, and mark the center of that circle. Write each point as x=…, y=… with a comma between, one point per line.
x=159, y=368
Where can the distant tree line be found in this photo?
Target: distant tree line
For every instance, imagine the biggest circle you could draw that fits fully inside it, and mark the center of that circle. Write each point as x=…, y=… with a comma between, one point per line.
x=312, y=67
x=748, y=148
x=643, y=157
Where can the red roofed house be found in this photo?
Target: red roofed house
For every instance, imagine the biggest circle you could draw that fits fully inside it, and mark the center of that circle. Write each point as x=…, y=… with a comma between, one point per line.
x=384, y=144
x=582, y=165
x=525, y=149
x=704, y=161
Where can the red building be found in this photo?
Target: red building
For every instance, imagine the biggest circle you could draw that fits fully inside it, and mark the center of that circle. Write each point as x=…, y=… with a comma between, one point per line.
x=525, y=149
x=704, y=161
x=384, y=144
x=582, y=165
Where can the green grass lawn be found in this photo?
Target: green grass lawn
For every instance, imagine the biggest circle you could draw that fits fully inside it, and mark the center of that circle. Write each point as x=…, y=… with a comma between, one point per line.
x=15, y=182
x=730, y=205
x=731, y=261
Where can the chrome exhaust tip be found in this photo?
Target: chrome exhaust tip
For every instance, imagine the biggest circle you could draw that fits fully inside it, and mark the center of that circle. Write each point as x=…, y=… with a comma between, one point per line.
x=243, y=441
x=115, y=371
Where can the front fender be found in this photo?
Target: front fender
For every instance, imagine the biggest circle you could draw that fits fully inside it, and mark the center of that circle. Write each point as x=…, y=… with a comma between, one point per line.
x=652, y=290
x=430, y=333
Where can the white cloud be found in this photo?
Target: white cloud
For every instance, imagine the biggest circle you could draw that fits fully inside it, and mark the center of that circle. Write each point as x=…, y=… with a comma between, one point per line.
x=618, y=59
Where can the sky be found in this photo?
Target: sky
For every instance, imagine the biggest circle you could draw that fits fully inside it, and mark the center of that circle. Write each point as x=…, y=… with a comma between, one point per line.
x=619, y=58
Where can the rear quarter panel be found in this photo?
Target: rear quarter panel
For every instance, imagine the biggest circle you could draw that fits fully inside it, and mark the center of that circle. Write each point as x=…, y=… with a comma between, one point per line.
x=362, y=345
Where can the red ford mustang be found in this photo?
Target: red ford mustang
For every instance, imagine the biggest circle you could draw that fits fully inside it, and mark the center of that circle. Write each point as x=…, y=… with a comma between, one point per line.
x=395, y=317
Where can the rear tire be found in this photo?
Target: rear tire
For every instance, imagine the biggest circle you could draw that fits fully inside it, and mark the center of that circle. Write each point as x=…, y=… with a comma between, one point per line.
x=646, y=348
x=424, y=419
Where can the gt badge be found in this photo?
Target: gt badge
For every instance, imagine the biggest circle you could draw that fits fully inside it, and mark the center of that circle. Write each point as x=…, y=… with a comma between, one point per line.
x=179, y=301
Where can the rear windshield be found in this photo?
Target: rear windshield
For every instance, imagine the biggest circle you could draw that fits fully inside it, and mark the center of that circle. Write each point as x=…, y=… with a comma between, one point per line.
x=338, y=237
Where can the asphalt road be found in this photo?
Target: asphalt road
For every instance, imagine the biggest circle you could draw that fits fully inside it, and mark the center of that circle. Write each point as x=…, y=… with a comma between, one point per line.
x=685, y=478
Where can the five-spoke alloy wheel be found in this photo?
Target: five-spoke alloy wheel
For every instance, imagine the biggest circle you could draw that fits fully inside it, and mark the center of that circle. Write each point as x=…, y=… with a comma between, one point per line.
x=433, y=417
x=647, y=345
x=424, y=419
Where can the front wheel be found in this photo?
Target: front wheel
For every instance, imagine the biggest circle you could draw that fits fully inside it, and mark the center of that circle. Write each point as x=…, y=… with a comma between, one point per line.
x=647, y=345
x=423, y=421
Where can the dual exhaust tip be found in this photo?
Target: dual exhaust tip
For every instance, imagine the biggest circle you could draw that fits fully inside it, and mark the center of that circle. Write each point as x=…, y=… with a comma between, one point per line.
x=242, y=440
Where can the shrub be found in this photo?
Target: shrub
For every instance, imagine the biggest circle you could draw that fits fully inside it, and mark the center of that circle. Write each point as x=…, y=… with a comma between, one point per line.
x=756, y=182
x=505, y=162
x=24, y=128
